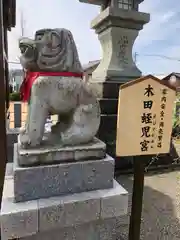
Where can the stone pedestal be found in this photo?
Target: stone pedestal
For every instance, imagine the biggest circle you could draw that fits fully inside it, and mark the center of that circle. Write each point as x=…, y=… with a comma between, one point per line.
x=63, y=178
x=74, y=197
x=117, y=30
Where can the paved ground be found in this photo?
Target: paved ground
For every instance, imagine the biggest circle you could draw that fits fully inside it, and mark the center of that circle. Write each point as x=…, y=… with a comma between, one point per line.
x=161, y=210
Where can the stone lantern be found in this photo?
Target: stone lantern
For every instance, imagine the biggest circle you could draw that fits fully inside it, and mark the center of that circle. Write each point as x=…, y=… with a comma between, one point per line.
x=117, y=25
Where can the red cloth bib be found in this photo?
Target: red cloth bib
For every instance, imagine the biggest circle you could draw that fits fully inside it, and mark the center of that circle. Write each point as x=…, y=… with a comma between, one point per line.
x=30, y=77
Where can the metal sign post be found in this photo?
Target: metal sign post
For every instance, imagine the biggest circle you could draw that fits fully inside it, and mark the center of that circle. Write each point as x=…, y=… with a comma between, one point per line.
x=137, y=198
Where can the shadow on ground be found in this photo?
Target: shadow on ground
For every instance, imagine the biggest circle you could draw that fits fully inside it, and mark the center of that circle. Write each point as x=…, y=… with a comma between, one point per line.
x=161, y=207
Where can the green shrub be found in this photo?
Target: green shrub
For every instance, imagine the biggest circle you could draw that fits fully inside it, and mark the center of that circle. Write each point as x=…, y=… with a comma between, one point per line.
x=15, y=96
x=176, y=120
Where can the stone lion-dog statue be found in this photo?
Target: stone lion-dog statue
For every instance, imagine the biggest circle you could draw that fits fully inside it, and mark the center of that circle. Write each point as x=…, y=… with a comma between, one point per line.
x=53, y=84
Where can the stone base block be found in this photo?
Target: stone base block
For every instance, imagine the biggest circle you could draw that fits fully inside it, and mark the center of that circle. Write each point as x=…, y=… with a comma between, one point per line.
x=45, y=181
x=54, y=153
x=84, y=215
x=108, y=229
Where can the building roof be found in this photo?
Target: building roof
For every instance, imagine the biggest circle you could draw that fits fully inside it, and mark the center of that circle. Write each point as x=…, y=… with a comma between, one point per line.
x=96, y=2
x=160, y=76
x=16, y=72
x=172, y=74
x=90, y=64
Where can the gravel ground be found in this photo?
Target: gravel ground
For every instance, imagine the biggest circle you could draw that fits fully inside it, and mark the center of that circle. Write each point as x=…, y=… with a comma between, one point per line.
x=161, y=206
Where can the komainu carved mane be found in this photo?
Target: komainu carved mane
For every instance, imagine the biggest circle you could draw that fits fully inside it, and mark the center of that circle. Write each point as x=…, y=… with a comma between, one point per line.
x=52, y=50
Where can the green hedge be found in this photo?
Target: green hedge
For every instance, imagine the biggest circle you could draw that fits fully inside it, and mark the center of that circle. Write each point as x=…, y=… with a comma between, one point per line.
x=15, y=96
x=176, y=119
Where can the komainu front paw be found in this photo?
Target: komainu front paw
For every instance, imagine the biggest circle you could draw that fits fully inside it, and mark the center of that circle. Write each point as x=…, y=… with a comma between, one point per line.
x=24, y=139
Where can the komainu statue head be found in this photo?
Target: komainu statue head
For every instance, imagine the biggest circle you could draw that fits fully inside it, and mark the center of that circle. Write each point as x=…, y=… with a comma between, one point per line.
x=51, y=50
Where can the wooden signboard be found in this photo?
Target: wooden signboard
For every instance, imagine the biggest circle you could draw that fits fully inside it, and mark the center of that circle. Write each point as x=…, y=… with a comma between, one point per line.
x=144, y=127
x=145, y=114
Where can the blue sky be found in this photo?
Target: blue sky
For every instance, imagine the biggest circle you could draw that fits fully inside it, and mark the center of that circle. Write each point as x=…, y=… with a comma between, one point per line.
x=159, y=37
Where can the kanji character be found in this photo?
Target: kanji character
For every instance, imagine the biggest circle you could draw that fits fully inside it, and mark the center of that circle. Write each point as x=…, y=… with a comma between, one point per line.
x=160, y=138
x=163, y=99
x=149, y=91
x=146, y=118
x=161, y=131
x=164, y=91
x=148, y=104
x=163, y=106
x=145, y=131
x=162, y=114
x=144, y=145
x=161, y=124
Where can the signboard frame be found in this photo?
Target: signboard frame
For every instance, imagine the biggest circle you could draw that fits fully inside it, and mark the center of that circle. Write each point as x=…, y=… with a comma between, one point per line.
x=144, y=110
